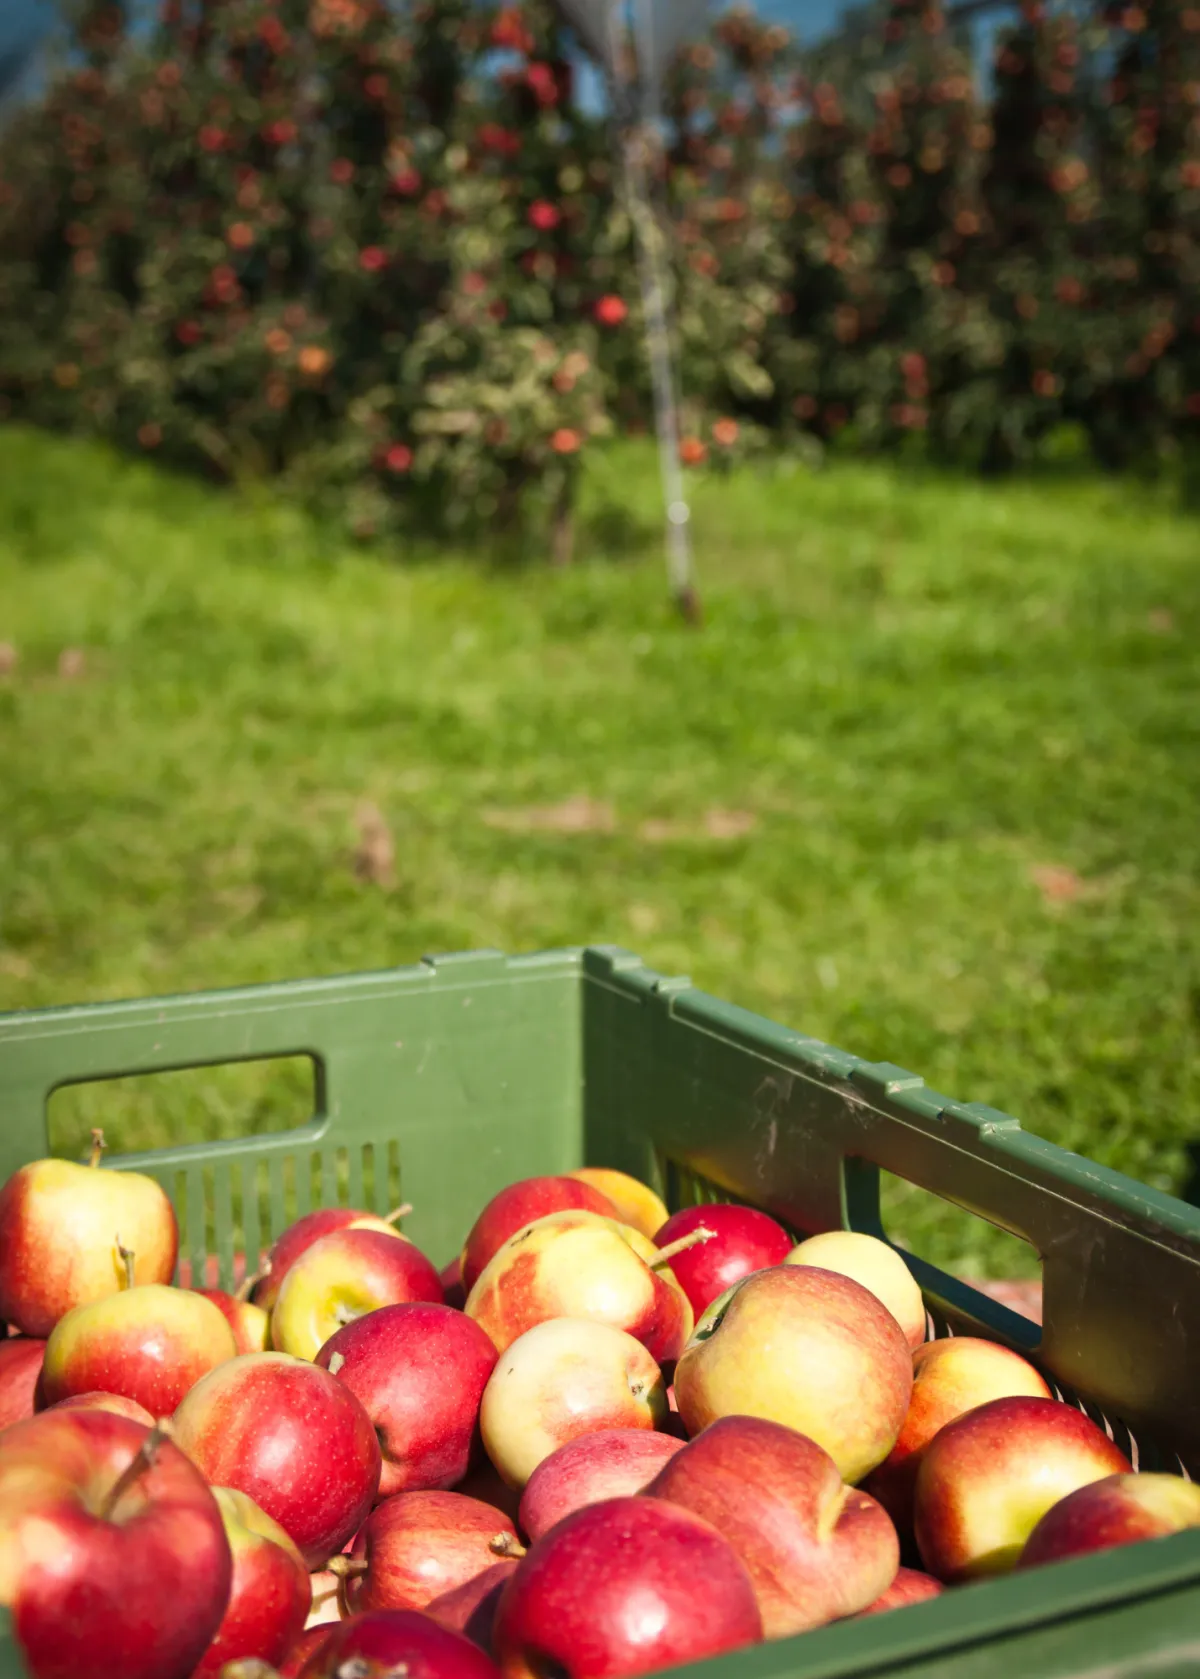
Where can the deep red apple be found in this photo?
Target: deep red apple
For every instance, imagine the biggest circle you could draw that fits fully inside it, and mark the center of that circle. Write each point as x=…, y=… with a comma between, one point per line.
x=389, y=1643
x=517, y=1205
x=115, y=1558
x=611, y=1463
x=624, y=1587
x=419, y=1371
x=417, y=1546
x=909, y=1586
x=292, y=1438
x=484, y=1483
x=743, y=1240
x=303, y=1648
x=20, y=1366
x=471, y=1608
x=301, y=1235
x=270, y=1593
x=1119, y=1510
x=815, y=1548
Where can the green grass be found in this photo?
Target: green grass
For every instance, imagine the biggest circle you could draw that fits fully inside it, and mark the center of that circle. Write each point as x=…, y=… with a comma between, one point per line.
x=914, y=694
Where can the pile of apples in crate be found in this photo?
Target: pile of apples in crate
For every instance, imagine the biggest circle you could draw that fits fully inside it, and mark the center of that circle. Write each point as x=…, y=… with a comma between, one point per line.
x=603, y=1441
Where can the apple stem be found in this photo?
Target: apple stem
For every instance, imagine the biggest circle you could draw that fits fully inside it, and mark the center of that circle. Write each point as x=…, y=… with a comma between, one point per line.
x=129, y=1258
x=137, y=1466
x=506, y=1545
x=348, y=1568
x=251, y=1281
x=347, y=1314
x=98, y=1146
x=397, y=1213
x=664, y=1256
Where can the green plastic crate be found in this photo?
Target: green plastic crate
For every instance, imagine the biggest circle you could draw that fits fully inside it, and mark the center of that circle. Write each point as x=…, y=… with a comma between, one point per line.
x=444, y=1081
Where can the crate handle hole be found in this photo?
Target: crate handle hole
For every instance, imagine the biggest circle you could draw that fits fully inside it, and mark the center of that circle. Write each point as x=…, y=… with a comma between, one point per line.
x=983, y=1255
x=188, y=1105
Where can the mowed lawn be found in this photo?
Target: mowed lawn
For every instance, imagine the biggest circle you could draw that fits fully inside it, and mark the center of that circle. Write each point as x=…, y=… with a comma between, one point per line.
x=926, y=784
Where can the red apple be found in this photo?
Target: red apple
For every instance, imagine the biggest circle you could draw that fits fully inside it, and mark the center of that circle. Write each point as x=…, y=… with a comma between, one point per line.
x=743, y=1240
x=815, y=1548
x=115, y=1558
x=395, y=1642
x=418, y=1545
x=624, y=1587
x=150, y=1344
x=471, y=1608
x=1119, y=1510
x=909, y=1586
x=341, y=1277
x=292, y=1438
x=807, y=1348
x=419, y=1371
x=114, y=1402
x=564, y=1378
x=610, y=1463
x=988, y=1478
x=518, y=1205
x=580, y=1265
x=270, y=1593
x=301, y=1235
x=950, y=1377
x=20, y=1367
x=61, y=1225
x=251, y=1326
x=309, y=1642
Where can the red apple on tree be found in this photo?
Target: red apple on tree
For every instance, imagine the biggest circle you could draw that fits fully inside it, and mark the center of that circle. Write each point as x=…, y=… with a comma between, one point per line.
x=20, y=1367
x=301, y=1235
x=149, y=1343
x=419, y=1370
x=292, y=1438
x=816, y=1549
x=397, y=1642
x=580, y=1265
x=417, y=1546
x=564, y=1378
x=624, y=1587
x=1119, y=1510
x=988, y=1478
x=608, y=1463
x=742, y=1240
x=61, y=1226
x=518, y=1205
x=113, y=1556
x=269, y=1595
x=341, y=1277
x=807, y=1348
